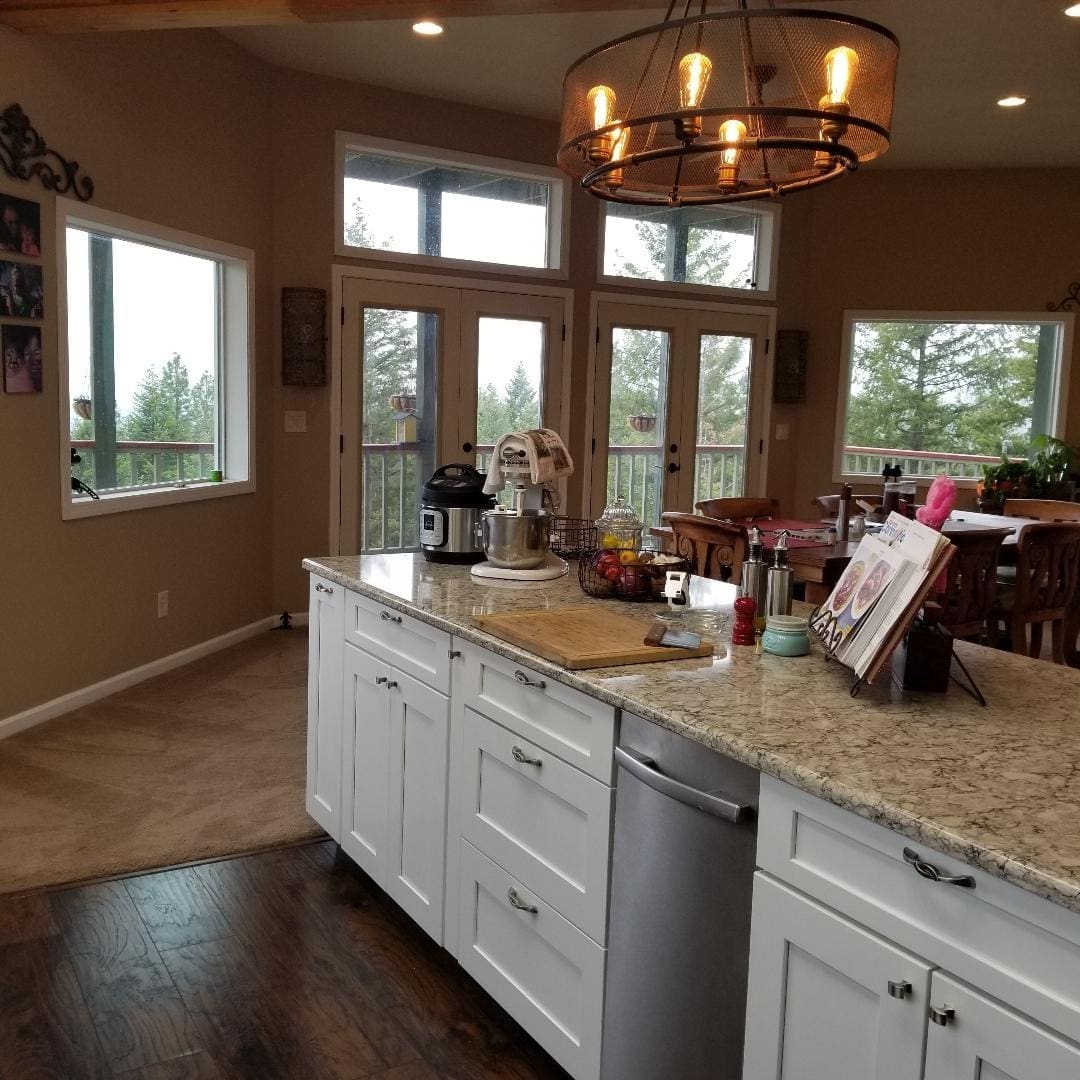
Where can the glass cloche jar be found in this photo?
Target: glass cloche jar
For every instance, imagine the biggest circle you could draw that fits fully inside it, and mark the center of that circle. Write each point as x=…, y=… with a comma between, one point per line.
x=619, y=527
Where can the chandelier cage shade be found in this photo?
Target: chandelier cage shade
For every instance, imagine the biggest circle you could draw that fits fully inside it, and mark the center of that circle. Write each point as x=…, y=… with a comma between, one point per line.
x=728, y=106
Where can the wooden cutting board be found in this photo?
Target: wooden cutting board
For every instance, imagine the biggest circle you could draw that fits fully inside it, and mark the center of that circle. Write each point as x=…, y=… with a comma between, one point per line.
x=586, y=637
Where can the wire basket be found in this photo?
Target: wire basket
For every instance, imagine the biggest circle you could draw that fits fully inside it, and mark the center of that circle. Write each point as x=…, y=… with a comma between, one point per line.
x=605, y=575
x=571, y=538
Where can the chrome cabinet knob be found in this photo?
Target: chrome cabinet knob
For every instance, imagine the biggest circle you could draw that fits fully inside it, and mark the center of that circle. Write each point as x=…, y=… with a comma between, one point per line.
x=391, y=685
x=517, y=902
x=899, y=989
x=381, y=680
x=522, y=758
x=942, y=1016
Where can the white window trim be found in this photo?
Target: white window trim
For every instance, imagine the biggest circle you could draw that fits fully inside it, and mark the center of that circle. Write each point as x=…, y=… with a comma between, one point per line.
x=768, y=261
x=237, y=345
x=1064, y=319
x=558, y=210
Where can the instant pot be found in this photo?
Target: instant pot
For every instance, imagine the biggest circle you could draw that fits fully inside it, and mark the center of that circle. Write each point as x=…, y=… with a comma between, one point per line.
x=451, y=505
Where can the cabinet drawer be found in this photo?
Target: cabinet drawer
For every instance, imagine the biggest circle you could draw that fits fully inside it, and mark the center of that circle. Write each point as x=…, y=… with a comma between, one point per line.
x=546, y=822
x=409, y=644
x=564, y=721
x=546, y=973
x=1008, y=942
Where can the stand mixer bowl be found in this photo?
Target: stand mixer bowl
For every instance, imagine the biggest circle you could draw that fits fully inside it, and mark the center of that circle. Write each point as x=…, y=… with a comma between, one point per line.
x=516, y=541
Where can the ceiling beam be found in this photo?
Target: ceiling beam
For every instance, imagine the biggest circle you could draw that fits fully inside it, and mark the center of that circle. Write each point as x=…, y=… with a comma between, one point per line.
x=87, y=16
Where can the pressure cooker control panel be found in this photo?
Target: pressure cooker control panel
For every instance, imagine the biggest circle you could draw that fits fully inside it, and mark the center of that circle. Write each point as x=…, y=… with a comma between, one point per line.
x=432, y=527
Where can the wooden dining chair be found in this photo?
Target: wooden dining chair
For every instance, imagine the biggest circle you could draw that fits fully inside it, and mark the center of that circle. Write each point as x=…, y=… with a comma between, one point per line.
x=1043, y=509
x=971, y=582
x=1047, y=574
x=736, y=509
x=715, y=549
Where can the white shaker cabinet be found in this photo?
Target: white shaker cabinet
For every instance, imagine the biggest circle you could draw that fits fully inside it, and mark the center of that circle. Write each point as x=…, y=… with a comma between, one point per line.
x=394, y=783
x=326, y=636
x=972, y=1036
x=828, y=1000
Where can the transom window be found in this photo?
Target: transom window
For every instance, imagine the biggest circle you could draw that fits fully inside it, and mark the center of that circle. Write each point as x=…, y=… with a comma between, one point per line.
x=948, y=393
x=720, y=247
x=414, y=203
x=156, y=364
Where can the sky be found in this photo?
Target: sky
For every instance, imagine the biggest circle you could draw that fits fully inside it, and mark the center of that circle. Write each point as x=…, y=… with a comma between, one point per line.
x=149, y=325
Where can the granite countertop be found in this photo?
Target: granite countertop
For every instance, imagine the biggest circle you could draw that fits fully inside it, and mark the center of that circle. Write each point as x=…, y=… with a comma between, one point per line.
x=998, y=787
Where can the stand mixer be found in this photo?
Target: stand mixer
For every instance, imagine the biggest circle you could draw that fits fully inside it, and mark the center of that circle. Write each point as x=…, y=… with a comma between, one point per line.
x=517, y=538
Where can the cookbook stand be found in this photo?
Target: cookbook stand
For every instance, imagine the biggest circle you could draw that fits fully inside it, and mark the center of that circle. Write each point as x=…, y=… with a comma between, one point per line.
x=826, y=629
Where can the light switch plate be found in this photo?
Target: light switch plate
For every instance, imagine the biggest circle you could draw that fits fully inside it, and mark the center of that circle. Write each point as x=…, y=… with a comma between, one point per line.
x=782, y=432
x=295, y=420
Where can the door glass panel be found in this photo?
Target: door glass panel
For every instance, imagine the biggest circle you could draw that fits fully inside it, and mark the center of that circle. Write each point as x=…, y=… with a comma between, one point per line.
x=723, y=399
x=637, y=419
x=400, y=359
x=509, y=380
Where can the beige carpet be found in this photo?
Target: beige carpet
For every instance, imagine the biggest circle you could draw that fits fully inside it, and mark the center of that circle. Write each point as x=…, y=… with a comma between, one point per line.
x=207, y=760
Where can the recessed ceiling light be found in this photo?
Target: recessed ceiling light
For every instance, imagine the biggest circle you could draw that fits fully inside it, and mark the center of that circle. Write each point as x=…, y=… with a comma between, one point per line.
x=1012, y=101
x=427, y=28
x=1073, y=10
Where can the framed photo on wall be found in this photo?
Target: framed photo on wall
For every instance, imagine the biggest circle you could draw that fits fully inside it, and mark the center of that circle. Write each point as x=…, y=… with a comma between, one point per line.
x=20, y=226
x=21, y=348
x=22, y=290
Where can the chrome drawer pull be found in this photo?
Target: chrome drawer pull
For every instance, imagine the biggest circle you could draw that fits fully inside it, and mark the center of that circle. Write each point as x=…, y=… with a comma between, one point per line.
x=387, y=617
x=932, y=873
x=524, y=679
x=381, y=680
x=522, y=758
x=320, y=587
x=944, y=1016
x=517, y=902
x=899, y=989
x=390, y=685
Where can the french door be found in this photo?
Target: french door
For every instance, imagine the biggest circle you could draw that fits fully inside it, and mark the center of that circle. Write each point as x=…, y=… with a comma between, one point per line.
x=679, y=406
x=431, y=375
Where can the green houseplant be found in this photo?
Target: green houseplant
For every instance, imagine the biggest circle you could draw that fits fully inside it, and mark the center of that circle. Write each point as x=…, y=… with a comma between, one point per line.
x=1050, y=467
x=1004, y=480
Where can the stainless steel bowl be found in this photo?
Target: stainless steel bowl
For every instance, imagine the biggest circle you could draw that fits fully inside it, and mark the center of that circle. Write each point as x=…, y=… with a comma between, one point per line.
x=516, y=541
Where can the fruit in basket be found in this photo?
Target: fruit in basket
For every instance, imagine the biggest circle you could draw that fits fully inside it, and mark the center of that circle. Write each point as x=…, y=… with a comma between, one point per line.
x=612, y=541
x=606, y=565
x=628, y=555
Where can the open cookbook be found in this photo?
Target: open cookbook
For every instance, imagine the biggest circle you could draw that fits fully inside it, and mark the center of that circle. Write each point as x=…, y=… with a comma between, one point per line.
x=880, y=592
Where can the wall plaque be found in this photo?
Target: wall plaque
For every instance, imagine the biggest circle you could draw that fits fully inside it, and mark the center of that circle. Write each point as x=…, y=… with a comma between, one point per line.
x=303, y=336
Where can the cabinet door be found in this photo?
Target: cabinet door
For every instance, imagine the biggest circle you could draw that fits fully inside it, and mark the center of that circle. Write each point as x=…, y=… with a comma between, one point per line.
x=982, y=1040
x=828, y=1000
x=419, y=737
x=326, y=636
x=366, y=762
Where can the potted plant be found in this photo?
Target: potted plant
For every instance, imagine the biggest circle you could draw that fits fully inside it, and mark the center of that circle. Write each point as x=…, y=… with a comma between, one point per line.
x=1050, y=468
x=1007, y=479
x=642, y=423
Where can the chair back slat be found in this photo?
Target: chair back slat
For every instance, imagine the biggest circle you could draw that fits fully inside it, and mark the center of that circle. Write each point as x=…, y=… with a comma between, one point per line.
x=739, y=508
x=715, y=549
x=971, y=582
x=1043, y=509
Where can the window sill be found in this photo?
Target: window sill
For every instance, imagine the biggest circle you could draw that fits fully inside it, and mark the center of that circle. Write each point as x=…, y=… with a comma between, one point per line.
x=690, y=288
x=874, y=480
x=118, y=502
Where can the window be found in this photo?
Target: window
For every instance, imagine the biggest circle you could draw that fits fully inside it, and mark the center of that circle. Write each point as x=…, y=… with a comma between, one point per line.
x=718, y=247
x=155, y=359
x=948, y=393
x=411, y=203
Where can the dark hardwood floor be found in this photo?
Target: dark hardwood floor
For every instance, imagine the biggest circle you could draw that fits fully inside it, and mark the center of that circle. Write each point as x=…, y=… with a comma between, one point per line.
x=287, y=964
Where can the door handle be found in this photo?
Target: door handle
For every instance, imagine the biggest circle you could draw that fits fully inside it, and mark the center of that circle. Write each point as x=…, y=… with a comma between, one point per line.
x=387, y=617
x=524, y=679
x=932, y=873
x=672, y=467
x=899, y=989
x=320, y=587
x=522, y=758
x=517, y=902
x=644, y=769
x=467, y=447
x=944, y=1016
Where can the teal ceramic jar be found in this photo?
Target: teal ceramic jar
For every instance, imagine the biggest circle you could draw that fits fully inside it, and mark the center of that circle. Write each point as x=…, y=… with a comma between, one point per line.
x=786, y=635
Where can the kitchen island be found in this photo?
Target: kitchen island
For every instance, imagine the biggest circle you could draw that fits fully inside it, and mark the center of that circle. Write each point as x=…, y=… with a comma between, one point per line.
x=994, y=788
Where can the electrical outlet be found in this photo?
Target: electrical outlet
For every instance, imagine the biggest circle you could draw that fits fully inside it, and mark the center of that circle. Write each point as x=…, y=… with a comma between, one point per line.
x=163, y=603
x=295, y=420
x=782, y=432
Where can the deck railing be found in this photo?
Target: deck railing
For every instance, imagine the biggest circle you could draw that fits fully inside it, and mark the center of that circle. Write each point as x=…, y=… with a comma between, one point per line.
x=870, y=460
x=141, y=463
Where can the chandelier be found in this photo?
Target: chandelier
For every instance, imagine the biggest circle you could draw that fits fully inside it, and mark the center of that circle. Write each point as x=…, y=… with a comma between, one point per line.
x=729, y=105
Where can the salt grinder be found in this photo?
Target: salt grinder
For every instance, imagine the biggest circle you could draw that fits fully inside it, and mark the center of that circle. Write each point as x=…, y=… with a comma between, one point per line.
x=754, y=573
x=742, y=633
x=781, y=582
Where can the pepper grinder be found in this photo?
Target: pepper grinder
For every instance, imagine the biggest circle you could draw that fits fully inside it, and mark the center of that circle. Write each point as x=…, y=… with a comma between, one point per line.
x=754, y=573
x=781, y=583
x=742, y=633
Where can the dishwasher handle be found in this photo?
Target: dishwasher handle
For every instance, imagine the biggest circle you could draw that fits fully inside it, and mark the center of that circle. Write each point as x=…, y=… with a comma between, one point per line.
x=644, y=769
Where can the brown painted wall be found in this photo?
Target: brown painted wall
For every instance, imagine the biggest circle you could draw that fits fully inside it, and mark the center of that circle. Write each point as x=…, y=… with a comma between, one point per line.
x=972, y=240
x=174, y=128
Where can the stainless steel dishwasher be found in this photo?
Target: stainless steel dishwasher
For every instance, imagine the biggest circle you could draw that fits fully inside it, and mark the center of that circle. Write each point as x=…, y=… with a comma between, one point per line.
x=679, y=933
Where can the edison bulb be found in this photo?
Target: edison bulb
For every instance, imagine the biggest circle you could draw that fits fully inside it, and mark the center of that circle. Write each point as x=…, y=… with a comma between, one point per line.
x=841, y=64
x=732, y=134
x=600, y=101
x=694, y=71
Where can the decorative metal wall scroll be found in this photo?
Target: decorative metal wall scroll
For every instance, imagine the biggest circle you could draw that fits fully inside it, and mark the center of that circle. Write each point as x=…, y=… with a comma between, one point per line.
x=789, y=383
x=24, y=155
x=1071, y=302
x=303, y=337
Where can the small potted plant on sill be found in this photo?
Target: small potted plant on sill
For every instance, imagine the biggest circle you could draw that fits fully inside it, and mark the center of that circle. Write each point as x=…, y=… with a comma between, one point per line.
x=1005, y=480
x=642, y=422
x=1050, y=467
